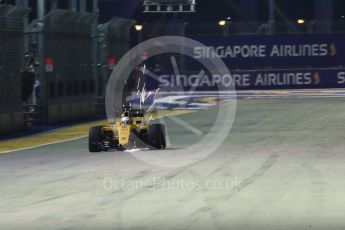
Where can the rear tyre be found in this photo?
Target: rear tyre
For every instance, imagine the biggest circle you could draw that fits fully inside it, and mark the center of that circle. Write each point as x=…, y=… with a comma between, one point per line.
x=95, y=139
x=163, y=132
x=156, y=136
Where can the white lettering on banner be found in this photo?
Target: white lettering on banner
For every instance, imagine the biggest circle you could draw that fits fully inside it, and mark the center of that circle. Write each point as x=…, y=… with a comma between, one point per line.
x=241, y=79
x=260, y=51
x=227, y=80
x=164, y=80
x=230, y=51
x=307, y=50
x=341, y=78
x=193, y=80
x=283, y=79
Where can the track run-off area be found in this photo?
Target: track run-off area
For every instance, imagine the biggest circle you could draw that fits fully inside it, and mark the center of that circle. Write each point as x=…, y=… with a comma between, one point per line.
x=280, y=167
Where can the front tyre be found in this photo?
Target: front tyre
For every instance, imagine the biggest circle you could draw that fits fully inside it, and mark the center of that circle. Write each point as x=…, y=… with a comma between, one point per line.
x=95, y=139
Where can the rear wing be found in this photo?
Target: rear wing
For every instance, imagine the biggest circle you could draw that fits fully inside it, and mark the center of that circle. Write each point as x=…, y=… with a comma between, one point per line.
x=129, y=112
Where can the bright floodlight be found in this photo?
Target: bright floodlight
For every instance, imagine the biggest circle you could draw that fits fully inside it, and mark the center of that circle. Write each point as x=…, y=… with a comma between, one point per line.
x=222, y=22
x=138, y=27
x=300, y=21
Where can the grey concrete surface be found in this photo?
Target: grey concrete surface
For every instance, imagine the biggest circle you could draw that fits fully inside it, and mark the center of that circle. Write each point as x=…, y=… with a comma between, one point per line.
x=281, y=167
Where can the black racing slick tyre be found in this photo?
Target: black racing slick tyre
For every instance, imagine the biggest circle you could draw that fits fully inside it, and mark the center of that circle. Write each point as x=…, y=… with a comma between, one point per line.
x=95, y=139
x=163, y=141
x=156, y=136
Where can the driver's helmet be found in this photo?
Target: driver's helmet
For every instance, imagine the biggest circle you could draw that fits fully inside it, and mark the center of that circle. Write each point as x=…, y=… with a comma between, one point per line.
x=125, y=121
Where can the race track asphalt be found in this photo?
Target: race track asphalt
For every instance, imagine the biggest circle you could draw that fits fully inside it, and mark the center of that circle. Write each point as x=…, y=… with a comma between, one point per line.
x=281, y=167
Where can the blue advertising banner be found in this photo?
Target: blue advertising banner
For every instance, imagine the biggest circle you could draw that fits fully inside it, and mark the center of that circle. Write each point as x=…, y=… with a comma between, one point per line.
x=255, y=79
x=276, y=51
x=289, y=79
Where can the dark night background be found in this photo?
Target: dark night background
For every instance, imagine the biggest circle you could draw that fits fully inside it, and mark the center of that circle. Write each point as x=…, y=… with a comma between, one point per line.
x=214, y=10
x=207, y=10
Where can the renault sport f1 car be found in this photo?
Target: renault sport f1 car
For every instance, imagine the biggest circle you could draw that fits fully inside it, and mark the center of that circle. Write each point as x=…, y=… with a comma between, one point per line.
x=130, y=132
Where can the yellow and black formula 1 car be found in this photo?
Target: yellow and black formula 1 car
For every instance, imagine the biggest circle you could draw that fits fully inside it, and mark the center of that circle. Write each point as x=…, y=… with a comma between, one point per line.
x=128, y=133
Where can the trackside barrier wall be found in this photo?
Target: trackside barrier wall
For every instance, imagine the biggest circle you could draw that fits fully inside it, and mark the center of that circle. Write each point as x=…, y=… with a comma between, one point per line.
x=11, y=56
x=306, y=78
x=296, y=61
x=275, y=51
x=69, y=85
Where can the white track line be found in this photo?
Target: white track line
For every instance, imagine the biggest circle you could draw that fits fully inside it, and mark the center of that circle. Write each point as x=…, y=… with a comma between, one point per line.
x=42, y=145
